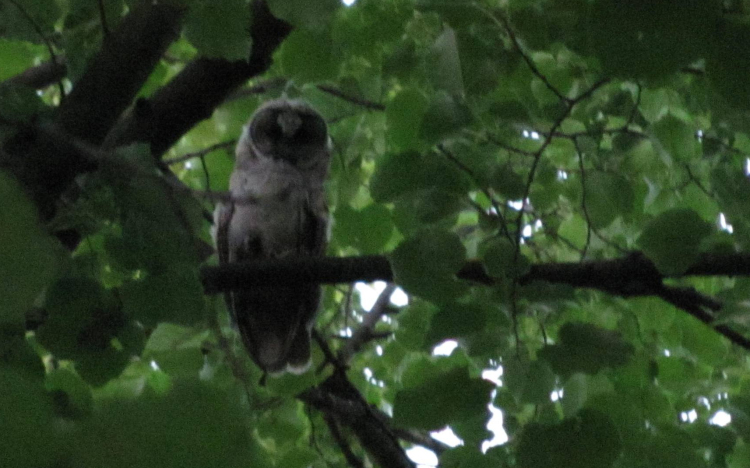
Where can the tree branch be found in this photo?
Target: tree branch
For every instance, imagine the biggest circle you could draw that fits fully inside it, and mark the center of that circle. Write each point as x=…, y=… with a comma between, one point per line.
x=630, y=276
x=366, y=331
x=40, y=76
x=44, y=167
x=199, y=88
x=338, y=398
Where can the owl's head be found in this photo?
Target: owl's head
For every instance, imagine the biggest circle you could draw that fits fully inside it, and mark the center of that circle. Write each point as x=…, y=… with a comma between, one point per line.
x=288, y=130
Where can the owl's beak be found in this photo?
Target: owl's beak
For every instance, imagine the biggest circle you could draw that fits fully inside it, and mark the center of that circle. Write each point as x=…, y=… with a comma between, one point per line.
x=289, y=122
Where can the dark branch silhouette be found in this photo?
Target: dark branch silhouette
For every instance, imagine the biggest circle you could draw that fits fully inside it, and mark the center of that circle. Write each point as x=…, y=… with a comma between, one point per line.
x=630, y=276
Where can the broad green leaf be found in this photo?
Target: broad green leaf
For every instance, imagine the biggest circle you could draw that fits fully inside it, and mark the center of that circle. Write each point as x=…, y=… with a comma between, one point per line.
x=219, y=29
x=368, y=230
x=650, y=39
x=26, y=418
x=192, y=426
x=445, y=116
x=404, y=114
x=308, y=55
x=414, y=322
x=508, y=183
x=83, y=322
x=455, y=321
x=17, y=56
x=394, y=176
x=501, y=260
x=29, y=258
x=304, y=14
x=444, y=65
x=587, y=440
x=177, y=350
x=174, y=296
x=81, y=12
x=732, y=190
x=672, y=449
x=72, y=395
x=426, y=263
x=28, y=20
x=449, y=397
x=671, y=240
x=585, y=348
x=531, y=382
x=728, y=61
x=607, y=197
x=677, y=138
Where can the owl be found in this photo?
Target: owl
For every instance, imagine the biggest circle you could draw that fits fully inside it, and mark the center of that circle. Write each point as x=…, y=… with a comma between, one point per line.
x=279, y=209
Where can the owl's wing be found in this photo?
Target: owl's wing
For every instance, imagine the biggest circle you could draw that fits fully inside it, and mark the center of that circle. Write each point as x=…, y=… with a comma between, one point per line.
x=222, y=219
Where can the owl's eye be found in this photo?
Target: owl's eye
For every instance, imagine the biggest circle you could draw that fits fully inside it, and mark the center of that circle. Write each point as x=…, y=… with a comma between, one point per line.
x=312, y=131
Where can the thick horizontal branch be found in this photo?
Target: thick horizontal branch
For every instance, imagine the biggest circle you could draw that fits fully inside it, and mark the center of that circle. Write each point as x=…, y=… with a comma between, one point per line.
x=628, y=276
x=633, y=275
x=326, y=270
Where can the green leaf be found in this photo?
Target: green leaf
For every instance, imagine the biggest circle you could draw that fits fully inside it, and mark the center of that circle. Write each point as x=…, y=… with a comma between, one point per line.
x=17, y=56
x=26, y=19
x=501, y=261
x=585, y=348
x=192, y=426
x=588, y=440
x=529, y=382
x=26, y=417
x=450, y=397
x=650, y=39
x=455, y=321
x=83, y=322
x=72, y=395
x=367, y=230
x=674, y=448
x=728, y=62
x=404, y=114
x=307, y=55
x=304, y=14
x=27, y=254
x=177, y=350
x=508, y=183
x=677, y=138
x=426, y=263
x=671, y=240
x=394, y=176
x=444, y=65
x=445, y=115
x=608, y=196
x=174, y=296
x=219, y=29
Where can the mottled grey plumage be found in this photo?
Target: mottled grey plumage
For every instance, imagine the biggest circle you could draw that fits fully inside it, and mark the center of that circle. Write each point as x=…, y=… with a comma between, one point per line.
x=279, y=210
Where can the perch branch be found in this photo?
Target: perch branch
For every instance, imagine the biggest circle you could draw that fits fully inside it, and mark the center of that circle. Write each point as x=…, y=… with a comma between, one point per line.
x=630, y=276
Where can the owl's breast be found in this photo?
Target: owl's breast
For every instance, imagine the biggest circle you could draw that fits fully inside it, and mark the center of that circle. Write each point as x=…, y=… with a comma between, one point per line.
x=271, y=217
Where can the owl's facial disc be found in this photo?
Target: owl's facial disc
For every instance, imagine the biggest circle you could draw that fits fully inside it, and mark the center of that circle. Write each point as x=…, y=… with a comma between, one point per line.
x=289, y=122
x=287, y=133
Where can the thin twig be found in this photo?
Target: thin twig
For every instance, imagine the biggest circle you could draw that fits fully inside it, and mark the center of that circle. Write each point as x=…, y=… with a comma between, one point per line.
x=200, y=153
x=451, y=157
x=343, y=444
x=366, y=331
x=503, y=23
x=352, y=99
x=103, y=18
x=583, y=198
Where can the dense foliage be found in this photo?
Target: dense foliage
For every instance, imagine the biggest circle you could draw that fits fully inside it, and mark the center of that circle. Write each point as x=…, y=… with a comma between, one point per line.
x=560, y=186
